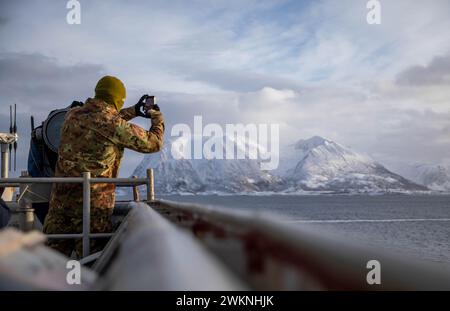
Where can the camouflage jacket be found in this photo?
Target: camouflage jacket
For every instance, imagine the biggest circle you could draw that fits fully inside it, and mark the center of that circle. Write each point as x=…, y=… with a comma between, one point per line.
x=93, y=139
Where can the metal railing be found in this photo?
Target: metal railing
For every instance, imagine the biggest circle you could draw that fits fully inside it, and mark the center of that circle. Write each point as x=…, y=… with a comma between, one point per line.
x=86, y=180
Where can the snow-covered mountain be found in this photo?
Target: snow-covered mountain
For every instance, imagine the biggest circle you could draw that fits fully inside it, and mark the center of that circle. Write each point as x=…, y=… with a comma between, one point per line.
x=174, y=173
x=321, y=164
x=435, y=177
x=315, y=164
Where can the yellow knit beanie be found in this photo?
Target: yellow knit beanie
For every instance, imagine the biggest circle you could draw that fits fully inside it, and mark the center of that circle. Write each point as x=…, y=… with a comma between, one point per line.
x=111, y=90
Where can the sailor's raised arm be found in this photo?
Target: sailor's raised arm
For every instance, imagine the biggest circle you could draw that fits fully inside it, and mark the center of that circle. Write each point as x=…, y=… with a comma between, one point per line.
x=128, y=113
x=136, y=138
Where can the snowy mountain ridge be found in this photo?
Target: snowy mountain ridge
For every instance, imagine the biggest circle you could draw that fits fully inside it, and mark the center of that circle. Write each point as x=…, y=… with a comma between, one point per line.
x=435, y=177
x=312, y=165
x=176, y=173
x=326, y=165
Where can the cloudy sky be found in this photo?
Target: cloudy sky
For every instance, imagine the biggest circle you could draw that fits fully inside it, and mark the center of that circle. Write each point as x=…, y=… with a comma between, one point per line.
x=314, y=67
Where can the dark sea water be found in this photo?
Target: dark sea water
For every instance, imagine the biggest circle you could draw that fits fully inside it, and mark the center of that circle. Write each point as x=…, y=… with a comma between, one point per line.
x=417, y=225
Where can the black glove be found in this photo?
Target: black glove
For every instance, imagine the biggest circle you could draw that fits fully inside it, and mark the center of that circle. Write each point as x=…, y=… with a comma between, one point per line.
x=139, y=107
x=76, y=104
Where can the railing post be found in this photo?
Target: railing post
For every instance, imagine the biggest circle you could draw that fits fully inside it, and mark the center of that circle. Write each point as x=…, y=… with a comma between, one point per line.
x=5, y=164
x=136, y=196
x=86, y=213
x=150, y=186
x=4, y=170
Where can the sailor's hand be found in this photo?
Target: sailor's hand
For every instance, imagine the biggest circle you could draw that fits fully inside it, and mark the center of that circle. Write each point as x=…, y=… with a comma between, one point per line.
x=139, y=107
x=154, y=107
x=156, y=115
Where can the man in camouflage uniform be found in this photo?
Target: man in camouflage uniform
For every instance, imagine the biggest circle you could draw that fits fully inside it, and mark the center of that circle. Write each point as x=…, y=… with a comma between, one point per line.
x=93, y=138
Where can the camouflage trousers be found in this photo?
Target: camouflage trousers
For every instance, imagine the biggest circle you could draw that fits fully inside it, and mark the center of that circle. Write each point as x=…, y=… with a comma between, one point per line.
x=69, y=220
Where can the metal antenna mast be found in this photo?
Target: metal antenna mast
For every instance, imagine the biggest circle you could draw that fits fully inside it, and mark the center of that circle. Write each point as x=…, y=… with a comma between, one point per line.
x=15, y=133
x=11, y=132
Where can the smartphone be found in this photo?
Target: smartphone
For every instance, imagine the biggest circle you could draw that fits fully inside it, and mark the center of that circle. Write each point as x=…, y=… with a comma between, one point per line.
x=149, y=103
